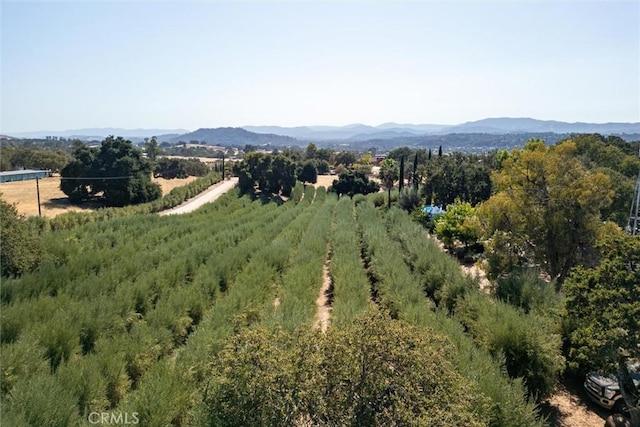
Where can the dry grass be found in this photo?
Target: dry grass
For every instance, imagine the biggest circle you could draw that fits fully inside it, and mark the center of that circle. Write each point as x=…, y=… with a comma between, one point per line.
x=325, y=180
x=53, y=201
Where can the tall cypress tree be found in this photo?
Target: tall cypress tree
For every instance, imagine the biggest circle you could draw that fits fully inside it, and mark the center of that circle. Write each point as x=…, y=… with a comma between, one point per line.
x=401, y=174
x=415, y=170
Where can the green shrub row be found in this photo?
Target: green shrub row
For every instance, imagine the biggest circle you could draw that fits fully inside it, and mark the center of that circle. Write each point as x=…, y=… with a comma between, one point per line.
x=403, y=292
x=300, y=285
x=530, y=343
x=248, y=294
x=123, y=332
x=351, y=287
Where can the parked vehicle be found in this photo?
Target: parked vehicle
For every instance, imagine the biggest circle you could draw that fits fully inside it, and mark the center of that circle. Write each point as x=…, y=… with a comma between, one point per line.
x=605, y=391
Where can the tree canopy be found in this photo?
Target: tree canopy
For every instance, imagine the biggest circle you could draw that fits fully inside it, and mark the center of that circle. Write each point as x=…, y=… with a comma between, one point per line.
x=547, y=210
x=117, y=170
x=272, y=173
x=458, y=176
x=308, y=172
x=354, y=182
x=603, y=309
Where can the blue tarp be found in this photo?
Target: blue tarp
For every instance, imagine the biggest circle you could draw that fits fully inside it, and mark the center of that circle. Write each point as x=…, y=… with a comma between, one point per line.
x=434, y=210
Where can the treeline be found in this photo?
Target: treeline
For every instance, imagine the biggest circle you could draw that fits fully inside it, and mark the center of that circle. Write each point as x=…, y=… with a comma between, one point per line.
x=14, y=158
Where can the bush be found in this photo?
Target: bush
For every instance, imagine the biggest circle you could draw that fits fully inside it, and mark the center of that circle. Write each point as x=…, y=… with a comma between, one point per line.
x=409, y=199
x=375, y=371
x=531, y=350
x=525, y=289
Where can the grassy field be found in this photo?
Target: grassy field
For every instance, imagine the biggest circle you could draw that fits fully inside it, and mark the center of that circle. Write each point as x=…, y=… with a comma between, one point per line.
x=53, y=201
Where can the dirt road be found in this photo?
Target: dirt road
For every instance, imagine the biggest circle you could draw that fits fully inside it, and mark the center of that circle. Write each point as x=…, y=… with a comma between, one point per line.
x=203, y=198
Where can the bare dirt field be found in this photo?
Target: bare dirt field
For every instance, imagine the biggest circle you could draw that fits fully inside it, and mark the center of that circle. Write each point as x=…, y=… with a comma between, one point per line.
x=325, y=180
x=52, y=200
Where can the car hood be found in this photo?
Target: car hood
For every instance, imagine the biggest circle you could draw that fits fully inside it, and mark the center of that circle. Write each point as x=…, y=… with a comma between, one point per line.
x=603, y=380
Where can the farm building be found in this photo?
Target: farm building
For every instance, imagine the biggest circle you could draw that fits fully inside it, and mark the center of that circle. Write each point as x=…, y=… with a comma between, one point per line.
x=22, y=175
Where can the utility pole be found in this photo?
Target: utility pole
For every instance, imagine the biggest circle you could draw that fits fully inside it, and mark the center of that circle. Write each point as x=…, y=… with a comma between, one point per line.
x=634, y=215
x=223, y=166
x=38, y=191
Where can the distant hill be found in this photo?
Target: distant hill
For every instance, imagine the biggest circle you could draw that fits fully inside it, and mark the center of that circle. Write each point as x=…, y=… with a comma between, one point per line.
x=360, y=132
x=481, y=135
x=524, y=125
x=235, y=136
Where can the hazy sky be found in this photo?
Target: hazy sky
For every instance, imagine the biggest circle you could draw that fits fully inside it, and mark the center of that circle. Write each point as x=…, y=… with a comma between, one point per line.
x=163, y=64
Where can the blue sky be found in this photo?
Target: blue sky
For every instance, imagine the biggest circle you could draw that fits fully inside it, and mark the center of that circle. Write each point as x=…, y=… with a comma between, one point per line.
x=146, y=64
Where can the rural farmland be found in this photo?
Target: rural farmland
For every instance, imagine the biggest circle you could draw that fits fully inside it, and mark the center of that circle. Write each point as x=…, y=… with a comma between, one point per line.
x=142, y=316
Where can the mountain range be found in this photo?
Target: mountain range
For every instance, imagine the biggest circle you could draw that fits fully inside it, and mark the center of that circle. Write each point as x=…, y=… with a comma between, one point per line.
x=349, y=134
x=497, y=126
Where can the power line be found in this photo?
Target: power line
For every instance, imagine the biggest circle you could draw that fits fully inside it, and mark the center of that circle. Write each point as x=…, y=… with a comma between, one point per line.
x=96, y=177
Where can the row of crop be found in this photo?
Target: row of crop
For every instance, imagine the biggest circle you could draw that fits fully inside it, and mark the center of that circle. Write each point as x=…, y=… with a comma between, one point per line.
x=144, y=319
x=299, y=287
x=402, y=292
x=530, y=344
x=351, y=287
x=119, y=249
x=250, y=293
x=112, y=300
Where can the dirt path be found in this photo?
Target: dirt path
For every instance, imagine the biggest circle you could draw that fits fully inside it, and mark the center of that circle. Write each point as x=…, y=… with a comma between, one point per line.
x=203, y=198
x=325, y=298
x=478, y=274
x=566, y=408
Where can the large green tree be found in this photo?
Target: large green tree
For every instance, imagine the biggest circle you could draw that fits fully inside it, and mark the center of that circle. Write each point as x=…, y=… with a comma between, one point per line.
x=308, y=172
x=603, y=310
x=458, y=176
x=151, y=148
x=273, y=174
x=547, y=210
x=354, y=182
x=389, y=174
x=117, y=170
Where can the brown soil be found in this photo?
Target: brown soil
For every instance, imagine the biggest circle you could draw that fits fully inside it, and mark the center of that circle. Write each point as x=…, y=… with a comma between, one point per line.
x=52, y=200
x=570, y=407
x=325, y=181
x=324, y=301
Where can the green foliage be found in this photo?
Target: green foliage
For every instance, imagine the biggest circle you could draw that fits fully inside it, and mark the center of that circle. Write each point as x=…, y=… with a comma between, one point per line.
x=273, y=174
x=531, y=348
x=116, y=170
x=33, y=158
x=138, y=308
x=525, y=289
x=19, y=243
x=458, y=176
x=173, y=198
x=409, y=199
x=603, y=307
x=151, y=148
x=376, y=371
x=346, y=158
x=353, y=182
x=308, y=172
x=547, y=210
x=458, y=224
x=179, y=168
x=388, y=175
